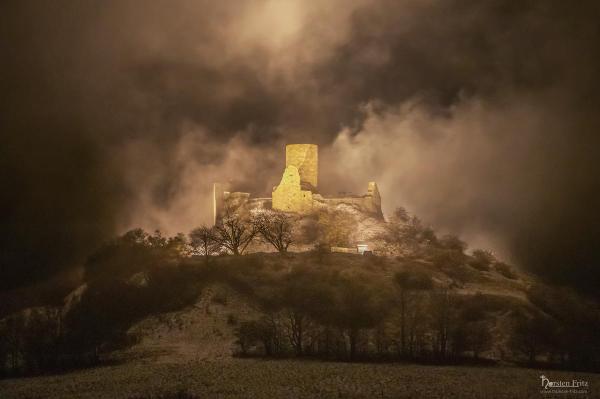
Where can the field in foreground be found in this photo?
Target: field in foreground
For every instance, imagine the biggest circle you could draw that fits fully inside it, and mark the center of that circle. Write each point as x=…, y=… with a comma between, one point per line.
x=240, y=378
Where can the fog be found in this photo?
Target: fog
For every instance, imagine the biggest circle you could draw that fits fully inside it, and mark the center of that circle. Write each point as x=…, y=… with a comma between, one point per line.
x=480, y=118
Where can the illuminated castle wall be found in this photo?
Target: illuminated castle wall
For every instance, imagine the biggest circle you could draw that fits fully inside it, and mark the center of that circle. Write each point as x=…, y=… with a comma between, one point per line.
x=298, y=189
x=305, y=157
x=295, y=191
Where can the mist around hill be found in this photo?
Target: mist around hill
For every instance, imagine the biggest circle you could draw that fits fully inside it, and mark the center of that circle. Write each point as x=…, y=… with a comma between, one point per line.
x=482, y=117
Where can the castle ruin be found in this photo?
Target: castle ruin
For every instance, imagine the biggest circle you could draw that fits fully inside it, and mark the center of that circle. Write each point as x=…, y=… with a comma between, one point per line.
x=297, y=191
x=299, y=181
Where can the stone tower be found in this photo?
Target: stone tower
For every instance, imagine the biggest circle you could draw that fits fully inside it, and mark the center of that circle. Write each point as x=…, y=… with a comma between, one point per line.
x=305, y=157
x=295, y=191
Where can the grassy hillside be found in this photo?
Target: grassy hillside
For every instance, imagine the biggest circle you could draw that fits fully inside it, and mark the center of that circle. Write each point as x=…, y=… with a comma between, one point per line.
x=145, y=299
x=178, y=329
x=229, y=291
x=234, y=286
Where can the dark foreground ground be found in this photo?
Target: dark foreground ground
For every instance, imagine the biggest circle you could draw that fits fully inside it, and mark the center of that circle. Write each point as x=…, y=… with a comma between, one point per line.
x=240, y=378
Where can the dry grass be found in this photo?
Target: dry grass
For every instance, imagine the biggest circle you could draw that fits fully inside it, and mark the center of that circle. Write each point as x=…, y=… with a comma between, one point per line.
x=288, y=379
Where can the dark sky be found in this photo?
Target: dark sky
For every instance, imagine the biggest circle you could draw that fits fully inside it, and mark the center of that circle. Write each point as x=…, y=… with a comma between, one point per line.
x=479, y=116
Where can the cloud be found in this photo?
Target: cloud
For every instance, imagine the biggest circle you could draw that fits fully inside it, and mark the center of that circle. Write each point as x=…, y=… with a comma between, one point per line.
x=473, y=171
x=174, y=193
x=481, y=117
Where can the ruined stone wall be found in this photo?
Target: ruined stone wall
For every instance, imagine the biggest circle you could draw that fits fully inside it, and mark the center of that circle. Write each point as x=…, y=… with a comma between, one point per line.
x=372, y=201
x=234, y=202
x=297, y=190
x=369, y=203
x=289, y=196
x=219, y=190
x=259, y=203
x=305, y=157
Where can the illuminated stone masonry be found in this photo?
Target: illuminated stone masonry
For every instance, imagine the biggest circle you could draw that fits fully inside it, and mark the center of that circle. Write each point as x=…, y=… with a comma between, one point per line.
x=288, y=196
x=297, y=191
x=305, y=157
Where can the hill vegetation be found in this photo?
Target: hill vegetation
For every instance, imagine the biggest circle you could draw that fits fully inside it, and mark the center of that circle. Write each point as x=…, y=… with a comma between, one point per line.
x=422, y=298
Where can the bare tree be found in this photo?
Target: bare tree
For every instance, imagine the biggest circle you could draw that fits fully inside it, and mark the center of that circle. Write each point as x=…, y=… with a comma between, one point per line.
x=407, y=283
x=303, y=302
x=530, y=334
x=443, y=311
x=12, y=329
x=297, y=322
x=262, y=330
x=275, y=228
x=479, y=338
x=202, y=240
x=234, y=232
x=357, y=308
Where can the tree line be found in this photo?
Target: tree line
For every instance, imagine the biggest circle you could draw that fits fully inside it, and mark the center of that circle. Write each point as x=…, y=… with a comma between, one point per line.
x=312, y=313
x=315, y=313
x=235, y=231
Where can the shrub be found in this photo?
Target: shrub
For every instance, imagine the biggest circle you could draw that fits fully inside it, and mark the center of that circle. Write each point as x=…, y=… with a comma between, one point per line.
x=232, y=319
x=219, y=298
x=505, y=270
x=336, y=228
x=453, y=243
x=481, y=260
x=255, y=333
